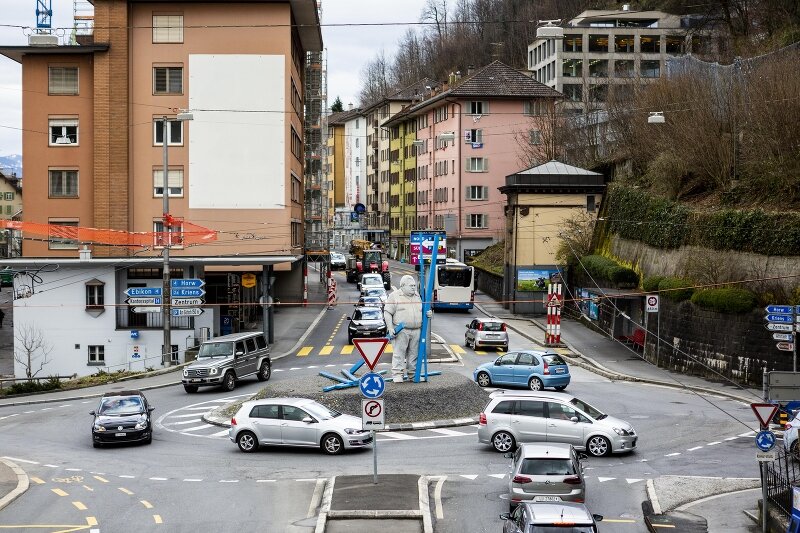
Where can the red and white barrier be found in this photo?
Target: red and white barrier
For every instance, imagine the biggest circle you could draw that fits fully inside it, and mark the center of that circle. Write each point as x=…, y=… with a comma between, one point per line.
x=553, y=302
x=331, y=293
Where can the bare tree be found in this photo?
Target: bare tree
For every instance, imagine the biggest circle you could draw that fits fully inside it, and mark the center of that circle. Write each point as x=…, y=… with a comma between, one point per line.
x=375, y=80
x=575, y=238
x=31, y=349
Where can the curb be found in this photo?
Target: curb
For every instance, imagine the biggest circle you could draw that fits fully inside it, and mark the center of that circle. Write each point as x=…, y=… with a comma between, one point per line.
x=22, y=484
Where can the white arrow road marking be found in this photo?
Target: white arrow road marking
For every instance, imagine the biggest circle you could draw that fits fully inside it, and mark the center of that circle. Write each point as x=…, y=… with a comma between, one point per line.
x=398, y=436
x=631, y=481
x=470, y=477
x=602, y=479
x=672, y=454
x=498, y=476
x=199, y=427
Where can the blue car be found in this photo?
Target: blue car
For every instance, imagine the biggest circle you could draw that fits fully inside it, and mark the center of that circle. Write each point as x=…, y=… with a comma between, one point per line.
x=528, y=368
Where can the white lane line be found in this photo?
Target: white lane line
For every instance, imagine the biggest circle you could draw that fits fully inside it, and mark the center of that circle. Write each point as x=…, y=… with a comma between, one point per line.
x=265, y=481
x=295, y=368
x=397, y=436
x=18, y=460
x=202, y=407
x=604, y=479
x=672, y=454
x=65, y=405
x=307, y=479
x=192, y=479
x=732, y=438
x=714, y=443
x=220, y=434
x=748, y=434
x=498, y=476
x=51, y=466
x=198, y=427
x=74, y=469
x=126, y=476
x=693, y=449
x=277, y=370
x=184, y=416
x=437, y=497
x=445, y=431
x=28, y=412
x=316, y=498
x=229, y=481
x=158, y=479
x=470, y=477
x=196, y=419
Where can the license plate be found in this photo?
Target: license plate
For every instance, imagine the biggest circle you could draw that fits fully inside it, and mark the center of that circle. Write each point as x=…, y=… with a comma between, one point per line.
x=559, y=370
x=547, y=499
x=120, y=434
x=195, y=380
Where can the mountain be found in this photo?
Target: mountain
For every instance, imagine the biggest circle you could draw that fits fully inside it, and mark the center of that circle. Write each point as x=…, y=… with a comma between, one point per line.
x=11, y=165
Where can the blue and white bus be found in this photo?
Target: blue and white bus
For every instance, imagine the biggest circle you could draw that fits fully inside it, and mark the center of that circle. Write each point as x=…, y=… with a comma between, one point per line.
x=454, y=286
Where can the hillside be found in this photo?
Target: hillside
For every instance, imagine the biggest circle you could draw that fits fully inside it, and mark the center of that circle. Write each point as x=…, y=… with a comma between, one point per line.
x=492, y=259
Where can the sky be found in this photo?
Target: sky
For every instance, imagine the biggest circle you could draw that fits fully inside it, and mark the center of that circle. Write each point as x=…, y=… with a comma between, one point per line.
x=348, y=49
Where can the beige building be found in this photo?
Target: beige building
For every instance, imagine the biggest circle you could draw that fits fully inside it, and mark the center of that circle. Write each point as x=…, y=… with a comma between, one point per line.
x=10, y=208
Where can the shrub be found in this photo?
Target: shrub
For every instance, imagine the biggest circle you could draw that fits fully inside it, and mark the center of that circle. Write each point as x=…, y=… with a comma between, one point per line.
x=650, y=284
x=676, y=289
x=26, y=387
x=726, y=300
x=607, y=269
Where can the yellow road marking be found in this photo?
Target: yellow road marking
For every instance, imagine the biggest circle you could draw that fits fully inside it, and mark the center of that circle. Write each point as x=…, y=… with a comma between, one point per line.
x=147, y=505
x=157, y=518
x=60, y=492
x=326, y=350
x=458, y=349
x=71, y=527
x=98, y=478
x=92, y=521
x=37, y=480
x=79, y=506
x=347, y=350
x=87, y=487
x=388, y=349
x=126, y=491
x=480, y=352
x=304, y=351
x=663, y=525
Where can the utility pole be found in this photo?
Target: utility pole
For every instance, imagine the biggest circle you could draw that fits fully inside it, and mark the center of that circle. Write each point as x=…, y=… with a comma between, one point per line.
x=167, y=241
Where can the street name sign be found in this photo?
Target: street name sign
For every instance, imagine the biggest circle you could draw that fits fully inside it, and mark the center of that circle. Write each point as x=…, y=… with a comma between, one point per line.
x=765, y=440
x=372, y=415
x=651, y=303
x=764, y=412
x=372, y=385
x=143, y=301
x=779, y=327
x=143, y=291
x=187, y=311
x=783, y=309
x=780, y=319
x=146, y=309
x=764, y=457
x=782, y=336
x=187, y=293
x=785, y=346
x=188, y=283
x=370, y=350
x=187, y=302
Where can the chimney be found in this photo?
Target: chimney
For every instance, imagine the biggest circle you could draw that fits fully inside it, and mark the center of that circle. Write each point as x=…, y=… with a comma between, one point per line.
x=458, y=75
x=350, y=106
x=85, y=253
x=451, y=79
x=470, y=70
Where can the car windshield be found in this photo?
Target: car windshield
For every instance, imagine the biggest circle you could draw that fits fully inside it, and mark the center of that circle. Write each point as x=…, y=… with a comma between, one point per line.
x=320, y=412
x=492, y=326
x=370, y=300
x=215, y=349
x=588, y=409
x=547, y=467
x=367, y=313
x=562, y=529
x=375, y=292
x=553, y=359
x=115, y=406
x=337, y=257
x=371, y=281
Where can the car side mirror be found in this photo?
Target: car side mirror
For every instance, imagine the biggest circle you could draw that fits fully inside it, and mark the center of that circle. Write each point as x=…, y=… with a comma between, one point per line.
x=92, y=413
x=151, y=409
x=308, y=420
x=598, y=517
x=505, y=516
x=498, y=362
x=582, y=456
x=574, y=419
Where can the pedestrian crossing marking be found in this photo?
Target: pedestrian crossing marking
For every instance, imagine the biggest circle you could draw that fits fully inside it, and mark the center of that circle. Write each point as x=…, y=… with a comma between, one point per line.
x=326, y=350
x=304, y=351
x=348, y=349
x=480, y=352
x=458, y=349
x=388, y=349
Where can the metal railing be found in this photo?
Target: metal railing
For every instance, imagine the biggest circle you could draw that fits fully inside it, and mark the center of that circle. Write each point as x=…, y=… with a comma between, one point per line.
x=781, y=475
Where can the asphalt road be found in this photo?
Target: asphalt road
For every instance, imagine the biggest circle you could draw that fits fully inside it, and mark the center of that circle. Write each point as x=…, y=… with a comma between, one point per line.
x=193, y=478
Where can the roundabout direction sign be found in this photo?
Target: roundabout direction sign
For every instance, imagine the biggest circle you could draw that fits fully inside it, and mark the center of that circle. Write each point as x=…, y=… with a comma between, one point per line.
x=765, y=440
x=372, y=385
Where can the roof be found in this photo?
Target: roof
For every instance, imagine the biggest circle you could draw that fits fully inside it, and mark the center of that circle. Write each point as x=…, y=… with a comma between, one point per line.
x=558, y=168
x=340, y=117
x=562, y=512
x=557, y=450
x=500, y=80
x=15, y=53
x=406, y=94
x=14, y=182
x=552, y=177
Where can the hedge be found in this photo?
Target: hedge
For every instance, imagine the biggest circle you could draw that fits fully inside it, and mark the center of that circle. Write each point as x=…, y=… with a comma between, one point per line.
x=676, y=289
x=607, y=269
x=651, y=284
x=726, y=300
x=637, y=215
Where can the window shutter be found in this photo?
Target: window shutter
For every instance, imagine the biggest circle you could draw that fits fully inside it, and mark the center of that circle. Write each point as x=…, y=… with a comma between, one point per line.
x=485, y=108
x=485, y=220
x=175, y=178
x=158, y=178
x=485, y=192
x=485, y=164
x=479, y=136
x=466, y=193
x=466, y=165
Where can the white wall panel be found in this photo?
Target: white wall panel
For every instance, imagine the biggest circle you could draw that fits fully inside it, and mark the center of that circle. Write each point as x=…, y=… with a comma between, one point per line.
x=238, y=135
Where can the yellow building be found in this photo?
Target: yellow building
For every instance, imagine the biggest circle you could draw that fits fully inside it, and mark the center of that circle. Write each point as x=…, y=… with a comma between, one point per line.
x=402, y=183
x=334, y=164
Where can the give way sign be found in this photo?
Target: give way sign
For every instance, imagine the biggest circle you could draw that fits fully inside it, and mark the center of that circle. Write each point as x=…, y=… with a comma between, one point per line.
x=370, y=350
x=764, y=412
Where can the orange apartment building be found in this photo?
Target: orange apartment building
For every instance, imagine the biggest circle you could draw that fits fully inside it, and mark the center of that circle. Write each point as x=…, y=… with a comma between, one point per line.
x=93, y=157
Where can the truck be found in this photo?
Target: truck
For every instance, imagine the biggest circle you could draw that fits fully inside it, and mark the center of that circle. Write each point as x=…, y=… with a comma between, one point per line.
x=365, y=258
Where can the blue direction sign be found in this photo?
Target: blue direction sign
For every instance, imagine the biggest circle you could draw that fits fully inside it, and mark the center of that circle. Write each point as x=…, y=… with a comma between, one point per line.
x=143, y=291
x=186, y=293
x=781, y=319
x=765, y=440
x=782, y=309
x=372, y=385
x=196, y=284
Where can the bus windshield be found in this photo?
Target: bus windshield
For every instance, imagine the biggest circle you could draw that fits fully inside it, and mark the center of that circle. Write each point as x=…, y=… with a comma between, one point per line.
x=454, y=276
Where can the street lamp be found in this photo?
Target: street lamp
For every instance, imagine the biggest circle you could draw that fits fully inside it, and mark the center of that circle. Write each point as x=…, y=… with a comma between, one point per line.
x=166, y=354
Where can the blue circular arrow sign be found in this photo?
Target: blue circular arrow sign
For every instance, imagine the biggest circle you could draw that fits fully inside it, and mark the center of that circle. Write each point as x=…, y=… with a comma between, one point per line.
x=372, y=385
x=765, y=440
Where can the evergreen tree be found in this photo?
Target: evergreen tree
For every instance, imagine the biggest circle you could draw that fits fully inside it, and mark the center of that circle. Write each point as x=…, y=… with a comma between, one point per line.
x=337, y=106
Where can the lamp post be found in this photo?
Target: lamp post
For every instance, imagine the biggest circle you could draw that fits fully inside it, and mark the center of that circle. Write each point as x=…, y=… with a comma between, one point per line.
x=166, y=311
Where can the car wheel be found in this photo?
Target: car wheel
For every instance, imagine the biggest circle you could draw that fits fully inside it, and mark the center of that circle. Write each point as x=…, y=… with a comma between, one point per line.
x=190, y=388
x=535, y=383
x=229, y=382
x=149, y=440
x=483, y=379
x=96, y=445
x=474, y=344
x=466, y=341
x=332, y=444
x=265, y=371
x=503, y=441
x=794, y=449
x=247, y=441
x=561, y=387
x=349, y=339
x=598, y=446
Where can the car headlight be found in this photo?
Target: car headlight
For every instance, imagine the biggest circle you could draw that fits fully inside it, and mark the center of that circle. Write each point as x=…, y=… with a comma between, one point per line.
x=213, y=371
x=353, y=431
x=185, y=373
x=98, y=427
x=141, y=423
x=623, y=432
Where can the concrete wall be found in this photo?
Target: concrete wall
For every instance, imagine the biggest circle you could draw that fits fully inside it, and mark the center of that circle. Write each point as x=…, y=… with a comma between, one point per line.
x=489, y=283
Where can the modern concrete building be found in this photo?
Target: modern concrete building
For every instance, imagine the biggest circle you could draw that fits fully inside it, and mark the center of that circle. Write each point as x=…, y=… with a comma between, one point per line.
x=93, y=151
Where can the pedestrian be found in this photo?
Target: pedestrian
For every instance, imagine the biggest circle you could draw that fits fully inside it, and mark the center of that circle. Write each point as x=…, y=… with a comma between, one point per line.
x=2, y=316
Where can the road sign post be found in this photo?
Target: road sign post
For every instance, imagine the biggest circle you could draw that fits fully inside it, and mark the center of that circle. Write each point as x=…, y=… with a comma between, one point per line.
x=764, y=412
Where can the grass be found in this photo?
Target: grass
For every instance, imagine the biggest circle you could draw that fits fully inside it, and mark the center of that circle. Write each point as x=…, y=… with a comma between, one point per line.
x=492, y=259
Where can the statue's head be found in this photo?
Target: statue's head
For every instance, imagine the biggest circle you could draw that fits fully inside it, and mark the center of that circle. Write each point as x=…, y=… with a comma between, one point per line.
x=408, y=285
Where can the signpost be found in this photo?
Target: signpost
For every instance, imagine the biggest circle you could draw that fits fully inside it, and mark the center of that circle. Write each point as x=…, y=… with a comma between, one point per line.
x=143, y=291
x=187, y=302
x=146, y=309
x=186, y=293
x=143, y=301
x=785, y=346
x=187, y=283
x=372, y=386
x=784, y=318
x=421, y=247
x=764, y=413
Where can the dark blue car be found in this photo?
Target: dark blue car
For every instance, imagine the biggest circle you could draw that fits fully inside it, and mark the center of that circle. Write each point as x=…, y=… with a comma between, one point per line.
x=527, y=368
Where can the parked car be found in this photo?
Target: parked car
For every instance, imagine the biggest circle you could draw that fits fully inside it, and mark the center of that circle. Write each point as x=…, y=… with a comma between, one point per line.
x=565, y=517
x=526, y=368
x=550, y=472
x=338, y=261
x=486, y=332
x=366, y=322
x=378, y=292
x=223, y=361
x=790, y=442
x=123, y=416
x=370, y=301
x=369, y=281
x=516, y=417
x=295, y=422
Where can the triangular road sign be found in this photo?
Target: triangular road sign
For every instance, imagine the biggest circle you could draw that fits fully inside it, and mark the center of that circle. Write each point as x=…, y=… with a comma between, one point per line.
x=764, y=412
x=370, y=350
x=553, y=300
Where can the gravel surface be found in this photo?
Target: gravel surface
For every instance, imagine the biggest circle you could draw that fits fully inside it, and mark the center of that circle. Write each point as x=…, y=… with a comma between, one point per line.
x=443, y=397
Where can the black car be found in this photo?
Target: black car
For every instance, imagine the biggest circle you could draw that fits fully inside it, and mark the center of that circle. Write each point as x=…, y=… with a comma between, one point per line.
x=123, y=416
x=366, y=322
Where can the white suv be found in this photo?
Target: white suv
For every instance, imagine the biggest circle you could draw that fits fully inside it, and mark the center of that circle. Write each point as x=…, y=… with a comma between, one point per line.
x=515, y=417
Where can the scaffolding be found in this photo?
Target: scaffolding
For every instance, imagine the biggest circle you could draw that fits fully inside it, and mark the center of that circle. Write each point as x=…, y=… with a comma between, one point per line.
x=82, y=20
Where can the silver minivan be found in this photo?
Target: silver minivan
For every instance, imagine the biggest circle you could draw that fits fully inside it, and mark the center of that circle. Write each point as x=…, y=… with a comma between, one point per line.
x=516, y=417
x=222, y=361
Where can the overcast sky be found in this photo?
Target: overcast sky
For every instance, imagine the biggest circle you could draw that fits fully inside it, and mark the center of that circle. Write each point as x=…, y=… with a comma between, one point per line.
x=348, y=49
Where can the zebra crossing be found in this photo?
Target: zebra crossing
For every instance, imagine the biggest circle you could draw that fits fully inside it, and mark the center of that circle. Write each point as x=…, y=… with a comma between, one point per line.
x=348, y=349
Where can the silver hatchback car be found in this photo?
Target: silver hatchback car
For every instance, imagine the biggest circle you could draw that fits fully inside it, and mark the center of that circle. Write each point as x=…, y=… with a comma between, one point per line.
x=296, y=422
x=486, y=332
x=546, y=473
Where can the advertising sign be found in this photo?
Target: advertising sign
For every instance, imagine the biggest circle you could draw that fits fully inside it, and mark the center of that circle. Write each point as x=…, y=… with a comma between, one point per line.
x=533, y=279
x=422, y=246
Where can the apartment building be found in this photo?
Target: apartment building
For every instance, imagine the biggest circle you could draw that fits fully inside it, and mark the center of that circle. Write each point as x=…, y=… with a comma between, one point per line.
x=402, y=183
x=347, y=140
x=96, y=116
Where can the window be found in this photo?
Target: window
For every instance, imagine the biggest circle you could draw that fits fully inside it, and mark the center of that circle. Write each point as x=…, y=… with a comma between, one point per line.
x=598, y=43
x=95, y=293
x=167, y=28
x=531, y=408
x=295, y=189
x=598, y=93
x=297, y=145
x=573, y=91
x=167, y=80
x=478, y=108
x=650, y=44
x=265, y=411
x=572, y=68
x=63, y=183
x=63, y=80
x=505, y=407
x=63, y=131
x=175, y=234
x=62, y=234
x=675, y=45
x=356, y=143
x=534, y=108
x=9, y=210
x=573, y=43
x=623, y=68
x=651, y=69
x=623, y=43
x=174, y=128
x=477, y=221
x=296, y=233
x=97, y=355
x=598, y=68
x=175, y=181
x=535, y=137
x=591, y=206
x=476, y=164
x=477, y=192
x=9, y=196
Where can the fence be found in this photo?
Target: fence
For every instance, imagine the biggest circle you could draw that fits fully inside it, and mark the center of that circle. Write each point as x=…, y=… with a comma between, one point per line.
x=781, y=475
